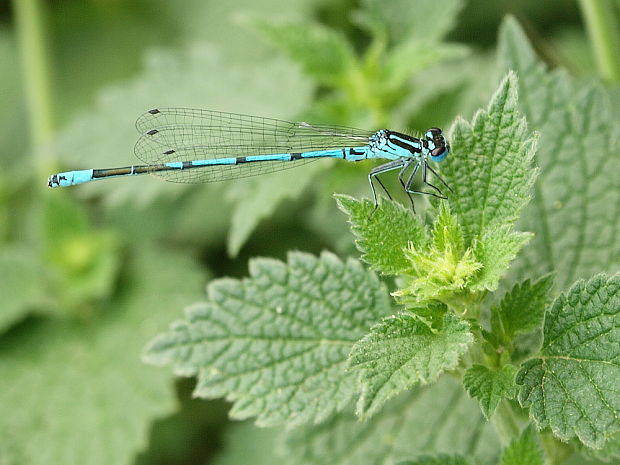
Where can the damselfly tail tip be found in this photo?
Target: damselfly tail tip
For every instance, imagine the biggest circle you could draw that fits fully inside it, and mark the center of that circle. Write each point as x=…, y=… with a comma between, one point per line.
x=53, y=181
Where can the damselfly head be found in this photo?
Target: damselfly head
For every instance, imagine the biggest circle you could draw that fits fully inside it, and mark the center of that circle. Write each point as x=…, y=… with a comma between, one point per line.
x=440, y=148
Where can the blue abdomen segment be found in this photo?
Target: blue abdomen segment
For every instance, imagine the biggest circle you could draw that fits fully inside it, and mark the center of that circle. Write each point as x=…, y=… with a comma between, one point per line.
x=70, y=178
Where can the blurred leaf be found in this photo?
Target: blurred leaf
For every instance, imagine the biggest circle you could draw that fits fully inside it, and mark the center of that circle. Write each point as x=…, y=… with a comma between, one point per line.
x=323, y=53
x=82, y=383
x=402, y=19
x=276, y=343
x=489, y=167
x=523, y=450
x=383, y=233
x=20, y=284
x=575, y=214
x=490, y=386
x=413, y=56
x=196, y=77
x=401, y=352
x=572, y=387
x=434, y=419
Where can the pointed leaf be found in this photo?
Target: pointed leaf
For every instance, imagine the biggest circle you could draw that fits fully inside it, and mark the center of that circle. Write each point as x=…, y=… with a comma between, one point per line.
x=490, y=164
x=276, y=343
x=572, y=387
x=383, y=234
x=401, y=352
x=495, y=250
x=490, y=386
x=523, y=308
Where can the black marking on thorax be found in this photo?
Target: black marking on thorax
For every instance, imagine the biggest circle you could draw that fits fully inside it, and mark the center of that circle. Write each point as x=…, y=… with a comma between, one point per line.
x=402, y=143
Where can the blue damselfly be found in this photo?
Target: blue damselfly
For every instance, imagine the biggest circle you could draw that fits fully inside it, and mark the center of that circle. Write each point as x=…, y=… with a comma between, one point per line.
x=195, y=146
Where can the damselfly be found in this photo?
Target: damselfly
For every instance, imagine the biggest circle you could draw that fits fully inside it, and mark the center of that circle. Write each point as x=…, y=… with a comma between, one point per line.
x=195, y=146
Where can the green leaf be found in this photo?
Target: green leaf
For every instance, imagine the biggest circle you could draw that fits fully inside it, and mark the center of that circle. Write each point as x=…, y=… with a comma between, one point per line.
x=323, y=53
x=523, y=308
x=441, y=459
x=497, y=247
x=401, y=352
x=21, y=284
x=572, y=387
x=430, y=20
x=82, y=383
x=574, y=215
x=490, y=164
x=523, y=450
x=438, y=418
x=276, y=343
x=383, y=234
x=490, y=386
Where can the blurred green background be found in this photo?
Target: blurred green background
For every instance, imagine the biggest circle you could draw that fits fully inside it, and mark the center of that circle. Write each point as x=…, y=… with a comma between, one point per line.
x=89, y=274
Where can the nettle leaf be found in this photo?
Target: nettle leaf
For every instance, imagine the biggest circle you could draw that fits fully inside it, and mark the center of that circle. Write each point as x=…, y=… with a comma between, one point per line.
x=82, y=383
x=490, y=386
x=383, y=234
x=490, y=167
x=441, y=459
x=523, y=308
x=431, y=420
x=497, y=247
x=523, y=450
x=572, y=387
x=323, y=53
x=401, y=352
x=276, y=343
x=574, y=214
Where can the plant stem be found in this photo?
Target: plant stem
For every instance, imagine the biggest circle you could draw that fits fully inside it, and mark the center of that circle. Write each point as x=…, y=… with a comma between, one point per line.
x=603, y=28
x=505, y=423
x=30, y=21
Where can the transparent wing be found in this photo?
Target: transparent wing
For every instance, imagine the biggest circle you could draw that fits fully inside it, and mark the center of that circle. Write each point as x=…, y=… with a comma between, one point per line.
x=180, y=134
